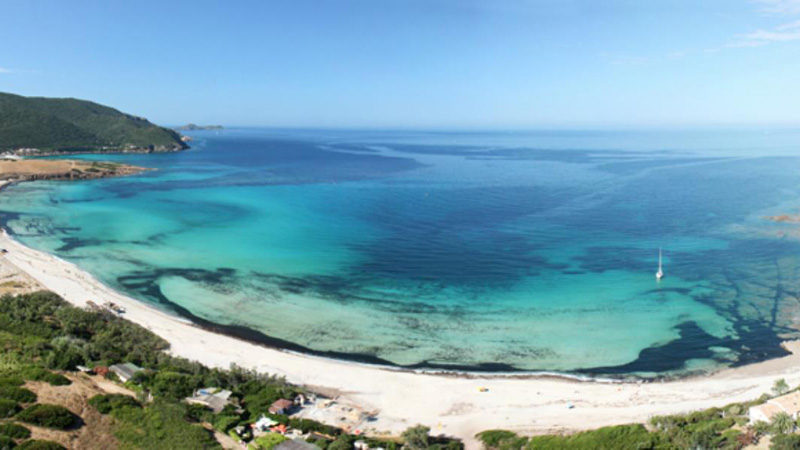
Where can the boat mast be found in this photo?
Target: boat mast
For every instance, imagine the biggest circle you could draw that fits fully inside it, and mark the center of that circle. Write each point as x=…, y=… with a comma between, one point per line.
x=660, y=273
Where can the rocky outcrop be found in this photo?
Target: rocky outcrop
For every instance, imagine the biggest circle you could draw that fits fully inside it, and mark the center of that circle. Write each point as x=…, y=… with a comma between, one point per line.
x=31, y=170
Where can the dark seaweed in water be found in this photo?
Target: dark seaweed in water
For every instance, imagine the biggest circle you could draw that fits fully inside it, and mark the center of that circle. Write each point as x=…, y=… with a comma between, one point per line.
x=755, y=342
x=497, y=219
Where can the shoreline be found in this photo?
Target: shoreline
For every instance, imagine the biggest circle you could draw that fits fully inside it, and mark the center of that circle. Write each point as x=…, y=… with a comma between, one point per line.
x=448, y=402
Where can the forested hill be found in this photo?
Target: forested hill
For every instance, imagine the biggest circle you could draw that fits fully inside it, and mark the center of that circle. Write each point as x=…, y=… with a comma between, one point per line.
x=55, y=125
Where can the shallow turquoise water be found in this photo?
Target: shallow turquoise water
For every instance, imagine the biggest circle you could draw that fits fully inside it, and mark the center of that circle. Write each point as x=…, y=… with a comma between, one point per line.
x=482, y=251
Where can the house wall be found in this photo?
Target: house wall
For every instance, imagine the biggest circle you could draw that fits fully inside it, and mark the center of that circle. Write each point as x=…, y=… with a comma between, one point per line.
x=757, y=415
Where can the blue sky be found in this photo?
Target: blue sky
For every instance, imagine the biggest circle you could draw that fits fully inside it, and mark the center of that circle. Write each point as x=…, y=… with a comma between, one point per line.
x=414, y=63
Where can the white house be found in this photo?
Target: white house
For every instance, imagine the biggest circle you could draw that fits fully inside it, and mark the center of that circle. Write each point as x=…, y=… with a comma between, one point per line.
x=214, y=398
x=789, y=404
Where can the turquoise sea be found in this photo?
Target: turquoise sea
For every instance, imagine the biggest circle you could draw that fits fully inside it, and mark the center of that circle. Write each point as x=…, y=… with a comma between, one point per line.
x=495, y=251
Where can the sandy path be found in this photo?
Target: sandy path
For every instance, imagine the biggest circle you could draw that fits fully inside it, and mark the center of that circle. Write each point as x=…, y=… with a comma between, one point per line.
x=450, y=405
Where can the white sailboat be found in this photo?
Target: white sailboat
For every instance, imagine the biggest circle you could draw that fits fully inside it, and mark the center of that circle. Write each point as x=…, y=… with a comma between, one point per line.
x=660, y=273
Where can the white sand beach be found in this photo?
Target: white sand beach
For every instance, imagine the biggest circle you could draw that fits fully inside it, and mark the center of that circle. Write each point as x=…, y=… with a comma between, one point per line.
x=449, y=404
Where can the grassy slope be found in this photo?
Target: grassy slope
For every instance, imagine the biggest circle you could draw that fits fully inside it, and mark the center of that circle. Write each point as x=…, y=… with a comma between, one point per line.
x=55, y=123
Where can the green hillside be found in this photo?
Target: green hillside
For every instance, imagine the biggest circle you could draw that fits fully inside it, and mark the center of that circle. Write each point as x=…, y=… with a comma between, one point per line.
x=67, y=124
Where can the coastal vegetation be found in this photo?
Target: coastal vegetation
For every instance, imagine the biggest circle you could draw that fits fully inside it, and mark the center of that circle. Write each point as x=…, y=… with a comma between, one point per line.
x=726, y=428
x=45, y=338
x=67, y=125
x=48, y=416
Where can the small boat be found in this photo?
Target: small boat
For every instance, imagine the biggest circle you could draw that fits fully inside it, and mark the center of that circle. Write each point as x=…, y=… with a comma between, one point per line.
x=660, y=273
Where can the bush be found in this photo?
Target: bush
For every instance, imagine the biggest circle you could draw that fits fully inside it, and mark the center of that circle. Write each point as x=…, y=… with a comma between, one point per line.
x=55, y=379
x=6, y=443
x=14, y=431
x=18, y=394
x=160, y=425
x=267, y=441
x=782, y=423
x=343, y=442
x=308, y=425
x=49, y=416
x=65, y=355
x=780, y=387
x=40, y=445
x=416, y=438
x=621, y=436
x=35, y=373
x=109, y=402
x=199, y=413
x=225, y=423
x=8, y=408
x=11, y=381
x=174, y=385
x=785, y=442
x=493, y=438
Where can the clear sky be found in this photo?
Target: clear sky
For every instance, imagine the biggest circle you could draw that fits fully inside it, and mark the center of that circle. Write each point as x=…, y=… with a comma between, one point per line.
x=413, y=63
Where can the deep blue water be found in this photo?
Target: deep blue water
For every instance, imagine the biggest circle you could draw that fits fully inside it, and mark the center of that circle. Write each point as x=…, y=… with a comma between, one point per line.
x=482, y=251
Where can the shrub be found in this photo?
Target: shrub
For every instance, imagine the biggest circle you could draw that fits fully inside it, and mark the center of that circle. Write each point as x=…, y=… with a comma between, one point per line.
x=55, y=379
x=785, y=442
x=11, y=381
x=761, y=428
x=416, y=438
x=224, y=423
x=493, y=438
x=780, y=387
x=49, y=416
x=173, y=385
x=18, y=394
x=107, y=403
x=621, y=436
x=343, y=442
x=308, y=425
x=160, y=425
x=268, y=441
x=200, y=413
x=40, y=445
x=8, y=408
x=35, y=373
x=782, y=423
x=6, y=443
x=14, y=431
x=65, y=355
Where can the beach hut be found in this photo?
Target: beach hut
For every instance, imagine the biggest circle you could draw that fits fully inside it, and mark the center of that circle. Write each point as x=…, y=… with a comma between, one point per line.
x=125, y=371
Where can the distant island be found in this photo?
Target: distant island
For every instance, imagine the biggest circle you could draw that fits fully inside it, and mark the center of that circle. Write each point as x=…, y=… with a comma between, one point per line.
x=39, y=126
x=195, y=127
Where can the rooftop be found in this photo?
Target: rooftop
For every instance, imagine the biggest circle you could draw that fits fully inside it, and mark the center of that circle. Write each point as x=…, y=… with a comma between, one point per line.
x=789, y=404
x=295, y=444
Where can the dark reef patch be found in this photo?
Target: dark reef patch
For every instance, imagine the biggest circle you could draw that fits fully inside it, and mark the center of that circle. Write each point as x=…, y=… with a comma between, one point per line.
x=71, y=243
x=756, y=341
x=695, y=343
